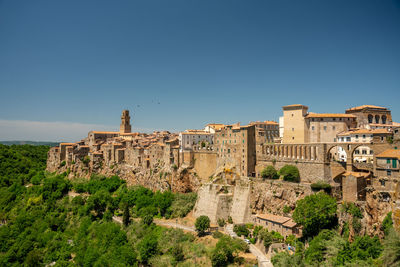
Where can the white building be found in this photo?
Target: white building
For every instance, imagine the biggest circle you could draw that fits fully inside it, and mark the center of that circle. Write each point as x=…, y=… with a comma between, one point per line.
x=190, y=138
x=281, y=126
x=362, y=153
x=212, y=127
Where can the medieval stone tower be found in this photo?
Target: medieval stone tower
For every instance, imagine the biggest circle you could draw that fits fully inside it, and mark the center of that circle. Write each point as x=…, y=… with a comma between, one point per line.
x=125, y=126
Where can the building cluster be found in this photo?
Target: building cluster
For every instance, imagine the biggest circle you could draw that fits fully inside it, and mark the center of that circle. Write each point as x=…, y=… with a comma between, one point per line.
x=362, y=139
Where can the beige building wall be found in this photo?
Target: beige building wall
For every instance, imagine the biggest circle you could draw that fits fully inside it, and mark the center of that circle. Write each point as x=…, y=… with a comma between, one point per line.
x=295, y=129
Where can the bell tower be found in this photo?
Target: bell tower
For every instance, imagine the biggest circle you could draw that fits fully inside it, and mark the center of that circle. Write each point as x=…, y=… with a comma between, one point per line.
x=125, y=126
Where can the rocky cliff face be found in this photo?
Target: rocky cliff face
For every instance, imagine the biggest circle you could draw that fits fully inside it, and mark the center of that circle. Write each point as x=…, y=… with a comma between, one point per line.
x=271, y=196
x=161, y=177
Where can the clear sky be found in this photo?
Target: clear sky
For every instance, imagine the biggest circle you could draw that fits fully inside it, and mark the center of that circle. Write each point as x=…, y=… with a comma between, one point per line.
x=70, y=66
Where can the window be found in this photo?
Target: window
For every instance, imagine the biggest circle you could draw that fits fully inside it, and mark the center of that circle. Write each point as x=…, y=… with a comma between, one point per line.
x=229, y=151
x=356, y=136
x=333, y=127
x=357, y=152
x=387, y=161
x=371, y=152
x=312, y=128
x=348, y=139
x=376, y=118
x=389, y=173
x=292, y=129
x=382, y=182
x=370, y=118
x=364, y=152
x=364, y=136
x=324, y=128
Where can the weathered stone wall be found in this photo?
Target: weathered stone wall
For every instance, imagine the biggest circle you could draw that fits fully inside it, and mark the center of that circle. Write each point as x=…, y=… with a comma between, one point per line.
x=205, y=164
x=240, y=211
x=214, y=201
x=309, y=172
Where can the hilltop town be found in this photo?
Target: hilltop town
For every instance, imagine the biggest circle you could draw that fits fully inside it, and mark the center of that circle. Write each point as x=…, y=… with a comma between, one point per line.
x=356, y=154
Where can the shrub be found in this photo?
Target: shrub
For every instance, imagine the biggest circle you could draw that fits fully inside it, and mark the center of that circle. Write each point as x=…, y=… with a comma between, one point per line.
x=241, y=230
x=62, y=164
x=290, y=173
x=286, y=209
x=221, y=222
x=230, y=220
x=269, y=173
x=321, y=185
x=202, y=224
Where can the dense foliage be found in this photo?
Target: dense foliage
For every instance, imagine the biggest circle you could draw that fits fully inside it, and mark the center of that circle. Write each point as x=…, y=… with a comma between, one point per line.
x=290, y=173
x=46, y=219
x=202, y=224
x=315, y=212
x=269, y=173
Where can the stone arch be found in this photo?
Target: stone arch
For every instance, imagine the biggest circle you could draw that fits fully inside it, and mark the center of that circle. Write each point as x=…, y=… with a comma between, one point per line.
x=370, y=118
x=384, y=118
x=337, y=153
x=362, y=153
x=376, y=118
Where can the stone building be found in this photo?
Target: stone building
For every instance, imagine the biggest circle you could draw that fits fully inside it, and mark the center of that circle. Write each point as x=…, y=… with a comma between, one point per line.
x=362, y=153
x=370, y=116
x=190, y=138
x=283, y=225
x=235, y=146
x=212, y=127
x=387, y=169
x=266, y=131
x=300, y=127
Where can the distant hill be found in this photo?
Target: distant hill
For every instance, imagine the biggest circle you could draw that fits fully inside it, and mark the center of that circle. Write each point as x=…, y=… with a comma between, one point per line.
x=34, y=143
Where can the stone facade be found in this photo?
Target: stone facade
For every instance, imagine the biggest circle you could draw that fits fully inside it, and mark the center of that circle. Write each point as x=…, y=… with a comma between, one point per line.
x=236, y=148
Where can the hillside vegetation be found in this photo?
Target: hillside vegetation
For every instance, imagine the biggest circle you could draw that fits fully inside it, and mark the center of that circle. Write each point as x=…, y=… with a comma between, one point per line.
x=48, y=219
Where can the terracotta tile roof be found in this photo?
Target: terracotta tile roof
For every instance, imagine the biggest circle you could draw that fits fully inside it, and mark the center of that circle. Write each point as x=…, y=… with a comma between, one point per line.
x=390, y=153
x=356, y=174
x=104, y=132
x=273, y=218
x=365, y=106
x=290, y=224
x=365, y=131
x=264, y=122
x=329, y=115
x=68, y=144
x=196, y=133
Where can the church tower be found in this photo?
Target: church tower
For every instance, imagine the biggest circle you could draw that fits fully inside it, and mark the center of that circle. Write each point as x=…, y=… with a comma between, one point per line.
x=125, y=126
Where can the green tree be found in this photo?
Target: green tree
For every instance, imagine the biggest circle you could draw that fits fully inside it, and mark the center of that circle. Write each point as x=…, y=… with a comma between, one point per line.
x=126, y=216
x=147, y=247
x=202, y=224
x=147, y=219
x=391, y=251
x=241, y=230
x=387, y=223
x=290, y=173
x=315, y=212
x=269, y=173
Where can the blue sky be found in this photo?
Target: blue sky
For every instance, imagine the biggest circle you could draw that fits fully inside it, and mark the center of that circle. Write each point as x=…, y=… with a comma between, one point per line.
x=70, y=66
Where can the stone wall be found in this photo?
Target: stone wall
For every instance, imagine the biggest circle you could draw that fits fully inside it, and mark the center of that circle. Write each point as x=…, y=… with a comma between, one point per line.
x=214, y=201
x=205, y=164
x=240, y=211
x=309, y=172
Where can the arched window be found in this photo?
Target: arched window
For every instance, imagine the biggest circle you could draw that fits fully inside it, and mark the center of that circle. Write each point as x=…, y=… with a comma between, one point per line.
x=370, y=118
x=376, y=118
x=384, y=119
